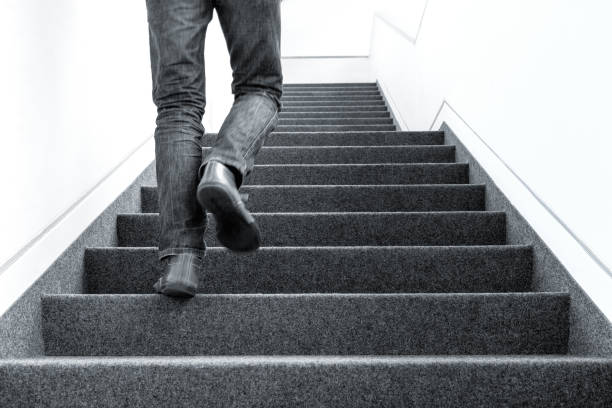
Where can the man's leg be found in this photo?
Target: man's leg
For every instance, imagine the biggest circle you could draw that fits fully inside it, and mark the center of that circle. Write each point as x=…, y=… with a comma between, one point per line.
x=252, y=30
x=176, y=33
x=252, y=33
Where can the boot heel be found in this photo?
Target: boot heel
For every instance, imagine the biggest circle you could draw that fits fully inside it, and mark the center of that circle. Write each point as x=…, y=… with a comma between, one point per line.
x=174, y=289
x=217, y=194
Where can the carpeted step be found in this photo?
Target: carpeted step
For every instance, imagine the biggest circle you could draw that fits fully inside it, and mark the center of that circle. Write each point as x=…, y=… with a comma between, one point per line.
x=331, y=98
x=492, y=268
x=362, y=138
x=335, y=121
x=342, y=89
x=393, y=173
x=331, y=108
x=333, y=104
x=363, y=114
x=305, y=324
x=333, y=128
x=332, y=92
x=325, y=198
x=307, y=381
x=344, y=229
x=353, y=154
x=351, y=174
x=330, y=85
x=354, y=138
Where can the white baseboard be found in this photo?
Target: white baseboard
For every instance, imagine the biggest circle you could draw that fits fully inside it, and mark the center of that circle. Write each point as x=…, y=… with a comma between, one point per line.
x=583, y=266
x=36, y=257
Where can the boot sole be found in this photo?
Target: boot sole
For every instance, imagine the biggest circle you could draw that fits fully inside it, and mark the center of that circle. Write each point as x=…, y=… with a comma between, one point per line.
x=236, y=227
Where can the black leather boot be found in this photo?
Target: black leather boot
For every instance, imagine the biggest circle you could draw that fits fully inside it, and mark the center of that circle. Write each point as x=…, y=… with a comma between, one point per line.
x=180, y=275
x=217, y=193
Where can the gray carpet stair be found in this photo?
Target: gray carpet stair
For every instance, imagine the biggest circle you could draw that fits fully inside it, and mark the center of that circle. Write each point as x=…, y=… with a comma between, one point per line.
x=337, y=115
x=348, y=269
x=342, y=85
x=354, y=154
x=332, y=92
x=331, y=88
x=324, y=104
x=358, y=138
x=345, y=198
x=333, y=128
x=342, y=229
x=370, y=173
x=336, y=108
x=331, y=98
x=383, y=280
x=306, y=324
x=333, y=121
x=311, y=381
x=340, y=89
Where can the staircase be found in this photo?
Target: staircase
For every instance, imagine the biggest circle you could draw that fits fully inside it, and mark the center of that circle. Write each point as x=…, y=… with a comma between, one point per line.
x=382, y=281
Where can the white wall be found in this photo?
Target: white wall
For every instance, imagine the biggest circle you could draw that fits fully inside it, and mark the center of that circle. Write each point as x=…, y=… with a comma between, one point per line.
x=219, y=96
x=404, y=15
x=532, y=79
x=321, y=70
x=75, y=101
x=326, y=27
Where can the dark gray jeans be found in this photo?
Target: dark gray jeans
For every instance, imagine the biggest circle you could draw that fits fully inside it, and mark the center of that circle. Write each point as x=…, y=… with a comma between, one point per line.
x=177, y=29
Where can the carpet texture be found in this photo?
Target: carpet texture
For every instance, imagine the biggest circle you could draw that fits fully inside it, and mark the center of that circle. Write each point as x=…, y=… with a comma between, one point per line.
x=384, y=279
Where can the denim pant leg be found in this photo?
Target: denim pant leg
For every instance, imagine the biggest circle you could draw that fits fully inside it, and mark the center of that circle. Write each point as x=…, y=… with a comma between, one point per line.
x=252, y=30
x=176, y=35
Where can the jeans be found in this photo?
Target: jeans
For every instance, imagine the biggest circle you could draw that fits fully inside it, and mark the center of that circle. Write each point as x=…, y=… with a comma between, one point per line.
x=177, y=30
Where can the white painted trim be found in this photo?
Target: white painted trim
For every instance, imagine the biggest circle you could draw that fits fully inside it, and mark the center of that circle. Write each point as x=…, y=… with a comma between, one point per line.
x=23, y=269
x=393, y=108
x=592, y=275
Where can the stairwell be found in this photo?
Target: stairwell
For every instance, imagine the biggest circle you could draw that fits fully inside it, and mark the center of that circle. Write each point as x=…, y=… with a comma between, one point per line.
x=382, y=281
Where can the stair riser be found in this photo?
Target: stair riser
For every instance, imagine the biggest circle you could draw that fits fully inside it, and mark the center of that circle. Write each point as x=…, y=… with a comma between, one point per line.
x=351, y=198
x=284, y=229
x=333, y=104
x=452, y=173
x=330, y=93
x=87, y=325
x=358, y=174
x=334, y=128
x=325, y=98
x=347, y=139
x=335, y=121
x=323, y=270
x=337, y=88
x=336, y=108
x=339, y=91
x=331, y=85
x=353, y=155
x=337, y=383
x=341, y=115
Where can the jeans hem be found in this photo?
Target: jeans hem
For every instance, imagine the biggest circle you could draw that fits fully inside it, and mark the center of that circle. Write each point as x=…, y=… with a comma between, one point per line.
x=176, y=251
